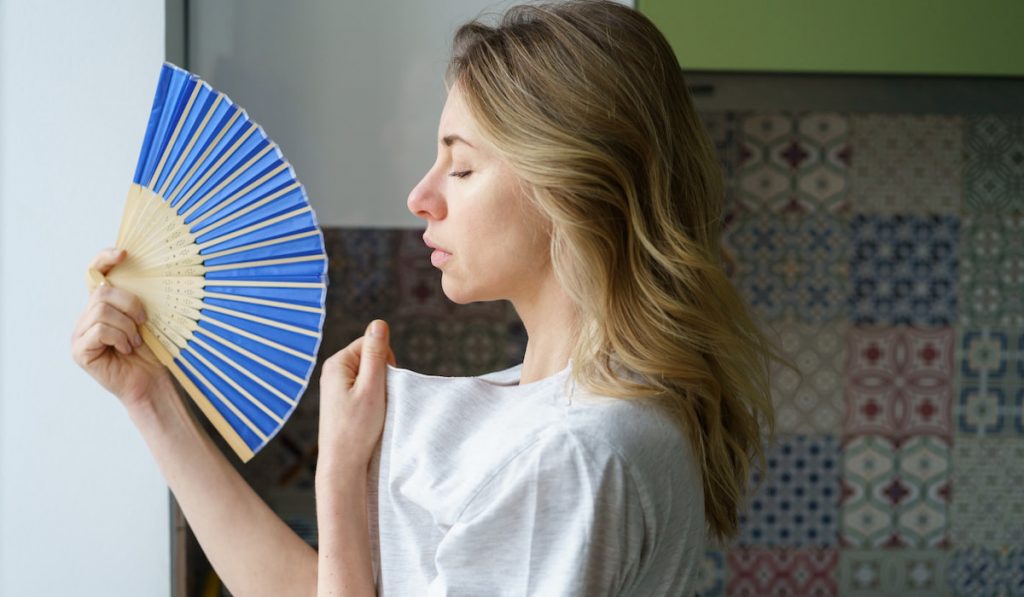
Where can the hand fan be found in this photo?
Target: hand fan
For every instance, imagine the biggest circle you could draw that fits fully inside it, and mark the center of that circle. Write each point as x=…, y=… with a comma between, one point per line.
x=225, y=253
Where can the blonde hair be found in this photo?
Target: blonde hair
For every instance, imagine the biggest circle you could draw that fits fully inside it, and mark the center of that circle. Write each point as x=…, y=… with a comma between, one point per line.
x=587, y=103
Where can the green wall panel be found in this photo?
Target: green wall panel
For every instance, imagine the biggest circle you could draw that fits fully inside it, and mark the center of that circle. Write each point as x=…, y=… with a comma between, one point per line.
x=936, y=37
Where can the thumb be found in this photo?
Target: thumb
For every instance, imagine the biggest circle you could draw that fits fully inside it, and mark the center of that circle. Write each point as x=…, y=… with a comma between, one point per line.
x=375, y=355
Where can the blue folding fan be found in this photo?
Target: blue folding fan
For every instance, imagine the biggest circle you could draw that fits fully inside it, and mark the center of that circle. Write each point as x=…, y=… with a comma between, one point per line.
x=225, y=253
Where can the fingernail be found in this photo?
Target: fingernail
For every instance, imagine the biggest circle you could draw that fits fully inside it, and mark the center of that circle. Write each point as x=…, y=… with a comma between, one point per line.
x=377, y=329
x=141, y=318
x=137, y=340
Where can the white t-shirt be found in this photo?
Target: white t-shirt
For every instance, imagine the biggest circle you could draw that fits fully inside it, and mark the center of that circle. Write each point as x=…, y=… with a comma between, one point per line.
x=485, y=487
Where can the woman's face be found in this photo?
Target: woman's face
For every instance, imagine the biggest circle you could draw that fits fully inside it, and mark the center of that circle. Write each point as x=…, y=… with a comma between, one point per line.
x=477, y=212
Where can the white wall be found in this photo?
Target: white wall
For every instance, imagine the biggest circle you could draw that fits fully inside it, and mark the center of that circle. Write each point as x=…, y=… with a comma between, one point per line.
x=351, y=91
x=83, y=509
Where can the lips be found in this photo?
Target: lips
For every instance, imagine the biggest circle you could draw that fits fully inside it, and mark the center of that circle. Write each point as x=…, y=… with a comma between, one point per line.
x=431, y=244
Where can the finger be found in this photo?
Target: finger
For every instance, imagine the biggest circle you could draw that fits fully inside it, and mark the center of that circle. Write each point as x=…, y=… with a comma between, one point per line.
x=96, y=339
x=119, y=300
x=344, y=363
x=106, y=259
x=103, y=312
x=124, y=301
x=374, y=355
x=108, y=335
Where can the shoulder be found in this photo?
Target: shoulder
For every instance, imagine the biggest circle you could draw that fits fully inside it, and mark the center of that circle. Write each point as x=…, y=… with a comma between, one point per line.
x=613, y=473
x=637, y=432
x=665, y=481
x=614, y=446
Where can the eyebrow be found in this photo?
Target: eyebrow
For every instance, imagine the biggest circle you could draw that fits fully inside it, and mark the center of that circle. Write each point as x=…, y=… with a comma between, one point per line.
x=450, y=139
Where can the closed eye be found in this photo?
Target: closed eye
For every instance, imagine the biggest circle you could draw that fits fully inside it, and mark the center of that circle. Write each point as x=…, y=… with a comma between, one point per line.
x=461, y=174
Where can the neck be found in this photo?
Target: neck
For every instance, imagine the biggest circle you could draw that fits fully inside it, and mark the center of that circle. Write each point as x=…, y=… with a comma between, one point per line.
x=548, y=316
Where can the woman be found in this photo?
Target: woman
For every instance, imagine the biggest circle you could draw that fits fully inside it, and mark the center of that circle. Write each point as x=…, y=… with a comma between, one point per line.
x=573, y=178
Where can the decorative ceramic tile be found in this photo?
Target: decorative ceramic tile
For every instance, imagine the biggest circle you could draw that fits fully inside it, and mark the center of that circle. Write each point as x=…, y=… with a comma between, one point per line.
x=452, y=347
x=898, y=381
x=812, y=404
x=895, y=494
x=906, y=163
x=420, y=290
x=994, y=174
x=297, y=508
x=1013, y=570
x=988, y=477
x=903, y=270
x=902, y=572
x=362, y=272
x=711, y=575
x=340, y=331
x=791, y=266
x=419, y=282
x=990, y=383
x=755, y=572
x=721, y=128
x=976, y=571
x=290, y=460
x=793, y=162
x=991, y=285
x=797, y=504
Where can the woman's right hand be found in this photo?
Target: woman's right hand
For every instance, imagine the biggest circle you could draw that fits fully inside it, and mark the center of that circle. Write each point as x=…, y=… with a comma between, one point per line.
x=106, y=341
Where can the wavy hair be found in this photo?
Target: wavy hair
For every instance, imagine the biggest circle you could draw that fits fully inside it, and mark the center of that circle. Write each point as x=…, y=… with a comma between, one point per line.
x=586, y=101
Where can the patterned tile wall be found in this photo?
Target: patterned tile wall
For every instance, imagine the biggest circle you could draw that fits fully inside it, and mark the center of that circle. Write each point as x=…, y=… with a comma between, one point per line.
x=885, y=252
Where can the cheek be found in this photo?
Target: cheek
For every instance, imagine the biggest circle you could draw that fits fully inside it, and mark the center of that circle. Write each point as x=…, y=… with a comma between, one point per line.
x=499, y=234
x=513, y=250
x=492, y=250
x=532, y=234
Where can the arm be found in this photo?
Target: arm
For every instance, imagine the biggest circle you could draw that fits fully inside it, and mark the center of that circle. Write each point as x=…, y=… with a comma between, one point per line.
x=250, y=547
x=353, y=388
x=253, y=551
x=344, y=541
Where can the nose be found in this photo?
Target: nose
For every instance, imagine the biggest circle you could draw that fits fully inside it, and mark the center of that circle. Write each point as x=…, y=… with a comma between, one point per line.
x=426, y=200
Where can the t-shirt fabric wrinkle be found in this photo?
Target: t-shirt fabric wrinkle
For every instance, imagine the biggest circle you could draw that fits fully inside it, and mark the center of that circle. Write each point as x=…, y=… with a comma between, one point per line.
x=486, y=487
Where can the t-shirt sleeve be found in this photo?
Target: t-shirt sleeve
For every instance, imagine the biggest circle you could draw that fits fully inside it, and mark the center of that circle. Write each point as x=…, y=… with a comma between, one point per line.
x=562, y=517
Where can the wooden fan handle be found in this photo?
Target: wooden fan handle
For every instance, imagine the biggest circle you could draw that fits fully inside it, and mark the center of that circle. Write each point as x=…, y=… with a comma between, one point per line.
x=94, y=278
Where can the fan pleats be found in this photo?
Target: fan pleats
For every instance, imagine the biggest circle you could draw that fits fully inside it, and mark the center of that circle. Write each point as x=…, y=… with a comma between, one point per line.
x=226, y=255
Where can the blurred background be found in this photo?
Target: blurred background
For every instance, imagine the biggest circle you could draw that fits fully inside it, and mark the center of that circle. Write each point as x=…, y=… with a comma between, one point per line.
x=873, y=155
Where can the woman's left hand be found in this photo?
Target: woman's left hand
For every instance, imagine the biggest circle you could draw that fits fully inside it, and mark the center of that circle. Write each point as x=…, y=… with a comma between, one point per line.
x=353, y=387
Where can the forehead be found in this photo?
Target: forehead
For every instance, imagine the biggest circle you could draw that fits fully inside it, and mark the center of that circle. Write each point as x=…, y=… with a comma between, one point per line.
x=456, y=119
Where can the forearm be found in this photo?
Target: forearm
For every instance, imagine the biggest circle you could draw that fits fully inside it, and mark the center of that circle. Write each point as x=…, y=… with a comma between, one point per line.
x=252, y=550
x=344, y=566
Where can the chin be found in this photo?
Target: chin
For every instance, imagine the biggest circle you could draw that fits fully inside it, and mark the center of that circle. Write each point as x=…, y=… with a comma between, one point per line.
x=461, y=295
x=455, y=292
